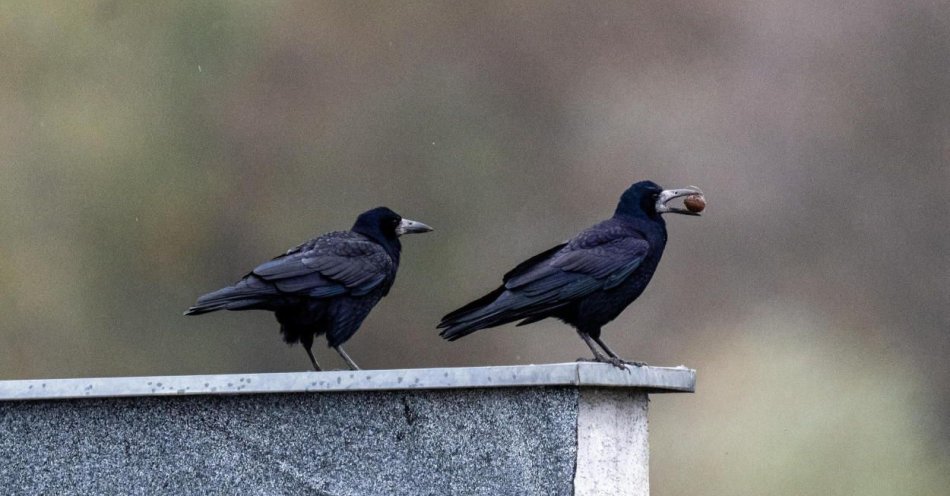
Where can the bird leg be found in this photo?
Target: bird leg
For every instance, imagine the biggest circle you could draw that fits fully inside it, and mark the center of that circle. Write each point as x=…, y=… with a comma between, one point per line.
x=614, y=355
x=307, y=341
x=312, y=360
x=599, y=357
x=349, y=361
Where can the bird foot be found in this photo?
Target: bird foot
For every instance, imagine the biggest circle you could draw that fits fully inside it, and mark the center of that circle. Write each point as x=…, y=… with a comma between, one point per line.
x=615, y=361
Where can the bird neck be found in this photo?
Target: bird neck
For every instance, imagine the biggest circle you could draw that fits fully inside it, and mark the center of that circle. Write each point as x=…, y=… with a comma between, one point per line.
x=652, y=227
x=390, y=244
x=393, y=248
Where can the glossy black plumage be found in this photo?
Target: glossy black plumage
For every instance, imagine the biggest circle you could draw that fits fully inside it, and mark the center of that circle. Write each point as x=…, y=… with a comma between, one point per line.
x=327, y=285
x=585, y=282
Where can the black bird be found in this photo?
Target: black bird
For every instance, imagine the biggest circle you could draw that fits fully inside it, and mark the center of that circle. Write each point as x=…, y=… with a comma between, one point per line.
x=327, y=285
x=586, y=281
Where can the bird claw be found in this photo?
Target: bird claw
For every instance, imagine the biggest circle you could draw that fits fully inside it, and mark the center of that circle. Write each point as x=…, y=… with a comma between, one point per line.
x=615, y=361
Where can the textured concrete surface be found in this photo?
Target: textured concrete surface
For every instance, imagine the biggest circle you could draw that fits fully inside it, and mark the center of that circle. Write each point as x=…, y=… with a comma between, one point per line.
x=520, y=430
x=488, y=441
x=613, y=450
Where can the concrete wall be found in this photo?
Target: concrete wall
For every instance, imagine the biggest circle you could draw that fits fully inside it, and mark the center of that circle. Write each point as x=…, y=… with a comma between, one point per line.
x=532, y=439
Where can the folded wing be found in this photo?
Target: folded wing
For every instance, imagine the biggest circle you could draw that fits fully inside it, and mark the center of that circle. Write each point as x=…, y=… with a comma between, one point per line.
x=597, y=259
x=340, y=263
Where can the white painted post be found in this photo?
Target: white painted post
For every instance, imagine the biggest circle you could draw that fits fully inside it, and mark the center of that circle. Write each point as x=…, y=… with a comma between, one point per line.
x=613, y=451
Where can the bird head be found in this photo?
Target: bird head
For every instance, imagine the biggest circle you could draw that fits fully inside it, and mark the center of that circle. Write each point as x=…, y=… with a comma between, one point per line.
x=390, y=225
x=647, y=197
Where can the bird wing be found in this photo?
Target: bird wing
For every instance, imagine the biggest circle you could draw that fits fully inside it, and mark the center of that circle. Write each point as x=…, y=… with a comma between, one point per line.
x=333, y=264
x=598, y=258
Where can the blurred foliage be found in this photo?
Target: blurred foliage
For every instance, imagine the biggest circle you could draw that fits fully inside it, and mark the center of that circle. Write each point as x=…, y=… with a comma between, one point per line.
x=150, y=152
x=796, y=411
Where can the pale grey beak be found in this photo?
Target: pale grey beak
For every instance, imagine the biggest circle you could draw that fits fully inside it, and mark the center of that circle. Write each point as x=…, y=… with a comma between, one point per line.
x=671, y=194
x=411, y=227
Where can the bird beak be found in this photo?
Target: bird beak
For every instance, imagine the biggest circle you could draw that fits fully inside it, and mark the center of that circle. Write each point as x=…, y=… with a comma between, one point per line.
x=670, y=194
x=407, y=226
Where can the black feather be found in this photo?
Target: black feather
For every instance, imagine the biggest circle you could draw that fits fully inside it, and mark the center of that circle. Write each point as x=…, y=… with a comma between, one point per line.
x=585, y=282
x=327, y=285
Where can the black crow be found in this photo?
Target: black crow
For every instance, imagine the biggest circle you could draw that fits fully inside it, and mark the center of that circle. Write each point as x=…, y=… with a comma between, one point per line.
x=586, y=281
x=327, y=285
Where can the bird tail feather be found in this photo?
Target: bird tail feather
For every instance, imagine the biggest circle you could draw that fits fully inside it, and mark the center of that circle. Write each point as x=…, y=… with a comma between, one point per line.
x=494, y=309
x=241, y=296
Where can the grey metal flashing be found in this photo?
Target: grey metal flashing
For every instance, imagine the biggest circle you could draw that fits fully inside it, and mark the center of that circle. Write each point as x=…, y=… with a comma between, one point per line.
x=649, y=379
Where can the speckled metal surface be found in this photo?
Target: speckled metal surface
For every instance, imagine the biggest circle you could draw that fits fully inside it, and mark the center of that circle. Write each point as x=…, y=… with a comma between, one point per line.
x=652, y=379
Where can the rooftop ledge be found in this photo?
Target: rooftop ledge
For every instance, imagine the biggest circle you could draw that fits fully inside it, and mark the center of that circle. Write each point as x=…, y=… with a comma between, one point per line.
x=580, y=374
x=567, y=429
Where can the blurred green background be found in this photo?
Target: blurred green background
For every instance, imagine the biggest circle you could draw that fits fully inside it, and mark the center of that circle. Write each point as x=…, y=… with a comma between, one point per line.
x=154, y=151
